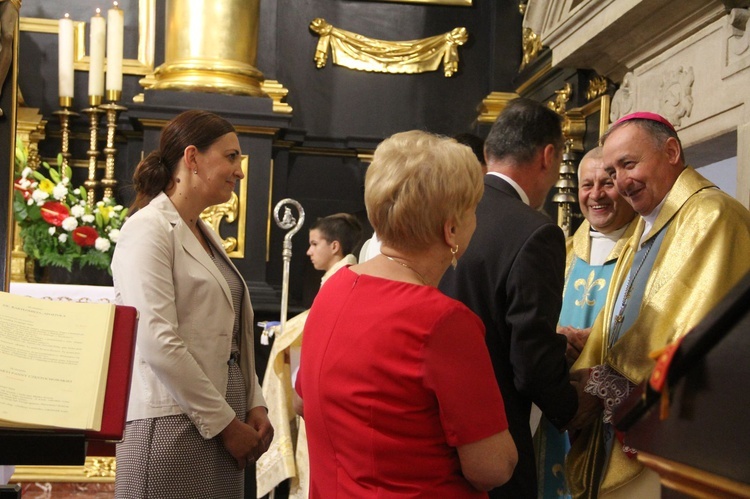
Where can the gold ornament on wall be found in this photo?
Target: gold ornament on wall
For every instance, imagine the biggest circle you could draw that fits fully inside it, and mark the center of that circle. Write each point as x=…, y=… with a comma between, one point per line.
x=358, y=52
x=597, y=87
x=562, y=97
x=531, y=45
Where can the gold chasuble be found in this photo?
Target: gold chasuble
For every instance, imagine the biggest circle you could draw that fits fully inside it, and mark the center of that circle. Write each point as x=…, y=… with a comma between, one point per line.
x=287, y=456
x=703, y=255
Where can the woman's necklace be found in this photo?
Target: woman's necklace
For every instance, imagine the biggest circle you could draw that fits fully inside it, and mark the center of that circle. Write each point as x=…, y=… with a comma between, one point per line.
x=421, y=278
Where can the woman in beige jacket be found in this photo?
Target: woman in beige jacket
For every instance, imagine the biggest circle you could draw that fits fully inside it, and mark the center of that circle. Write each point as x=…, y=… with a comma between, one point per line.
x=196, y=414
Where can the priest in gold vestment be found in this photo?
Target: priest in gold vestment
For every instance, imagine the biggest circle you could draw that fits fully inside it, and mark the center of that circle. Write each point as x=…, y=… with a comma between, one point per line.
x=689, y=248
x=591, y=254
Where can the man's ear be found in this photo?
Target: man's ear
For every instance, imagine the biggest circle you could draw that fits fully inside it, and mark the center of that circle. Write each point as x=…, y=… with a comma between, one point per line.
x=672, y=150
x=549, y=157
x=336, y=247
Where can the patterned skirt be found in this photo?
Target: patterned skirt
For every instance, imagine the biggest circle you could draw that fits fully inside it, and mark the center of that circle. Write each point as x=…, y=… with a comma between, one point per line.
x=166, y=457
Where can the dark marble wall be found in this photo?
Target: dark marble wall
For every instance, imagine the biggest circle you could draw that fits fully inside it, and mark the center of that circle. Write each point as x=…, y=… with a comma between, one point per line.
x=336, y=111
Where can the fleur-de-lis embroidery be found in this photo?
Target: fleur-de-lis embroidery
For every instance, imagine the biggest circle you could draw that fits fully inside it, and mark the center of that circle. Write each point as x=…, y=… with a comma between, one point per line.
x=588, y=286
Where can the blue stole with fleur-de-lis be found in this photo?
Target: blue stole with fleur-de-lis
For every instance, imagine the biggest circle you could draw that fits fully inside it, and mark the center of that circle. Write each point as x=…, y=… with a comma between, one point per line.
x=583, y=298
x=585, y=292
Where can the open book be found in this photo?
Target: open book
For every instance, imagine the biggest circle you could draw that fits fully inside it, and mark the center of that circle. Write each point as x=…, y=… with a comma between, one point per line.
x=54, y=361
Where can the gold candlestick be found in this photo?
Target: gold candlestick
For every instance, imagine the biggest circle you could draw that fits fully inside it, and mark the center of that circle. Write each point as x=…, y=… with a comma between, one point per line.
x=65, y=114
x=91, y=183
x=112, y=109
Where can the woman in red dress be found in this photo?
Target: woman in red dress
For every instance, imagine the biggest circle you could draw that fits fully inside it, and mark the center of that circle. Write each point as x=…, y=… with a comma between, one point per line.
x=396, y=385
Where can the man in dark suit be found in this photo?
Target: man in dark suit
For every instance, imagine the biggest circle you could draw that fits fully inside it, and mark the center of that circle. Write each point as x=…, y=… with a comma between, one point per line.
x=512, y=277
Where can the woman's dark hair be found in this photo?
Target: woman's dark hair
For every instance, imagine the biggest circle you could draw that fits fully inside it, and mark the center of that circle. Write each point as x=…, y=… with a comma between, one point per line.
x=341, y=227
x=154, y=173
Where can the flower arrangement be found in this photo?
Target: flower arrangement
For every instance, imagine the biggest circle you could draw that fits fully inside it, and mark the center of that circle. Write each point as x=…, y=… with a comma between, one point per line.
x=58, y=227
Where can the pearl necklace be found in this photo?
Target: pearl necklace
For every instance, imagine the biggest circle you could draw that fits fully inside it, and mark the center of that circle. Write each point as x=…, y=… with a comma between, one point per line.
x=421, y=278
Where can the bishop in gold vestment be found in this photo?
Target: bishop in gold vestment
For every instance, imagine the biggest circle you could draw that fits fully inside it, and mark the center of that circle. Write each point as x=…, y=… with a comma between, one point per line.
x=701, y=241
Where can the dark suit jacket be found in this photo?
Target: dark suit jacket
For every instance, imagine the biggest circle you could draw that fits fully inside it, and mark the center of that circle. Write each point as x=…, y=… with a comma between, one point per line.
x=512, y=277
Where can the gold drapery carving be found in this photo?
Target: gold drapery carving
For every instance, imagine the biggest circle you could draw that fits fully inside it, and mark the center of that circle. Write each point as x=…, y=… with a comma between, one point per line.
x=358, y=52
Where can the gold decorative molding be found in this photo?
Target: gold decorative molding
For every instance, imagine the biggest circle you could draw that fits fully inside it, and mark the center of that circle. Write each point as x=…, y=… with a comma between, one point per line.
x=230, y=211
x=597, y=86
x=95, y=469
x=562, y=97
x=143, y=65
x=277, y=93
x=534, y=78
x=574, y=129
x=531, y=45
x=692, y=481
x=493, y=104
x=30, y=130
x=360, y=53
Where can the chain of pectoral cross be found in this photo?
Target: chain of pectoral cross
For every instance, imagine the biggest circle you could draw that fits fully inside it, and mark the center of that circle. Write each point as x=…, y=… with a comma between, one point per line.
x=620, y=317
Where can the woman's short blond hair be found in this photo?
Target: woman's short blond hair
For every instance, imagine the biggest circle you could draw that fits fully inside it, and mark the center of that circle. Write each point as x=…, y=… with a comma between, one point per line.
x=418, y=181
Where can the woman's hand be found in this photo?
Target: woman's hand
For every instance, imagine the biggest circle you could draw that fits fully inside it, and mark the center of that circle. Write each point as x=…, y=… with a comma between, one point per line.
x=242, y=441
x=257, y=418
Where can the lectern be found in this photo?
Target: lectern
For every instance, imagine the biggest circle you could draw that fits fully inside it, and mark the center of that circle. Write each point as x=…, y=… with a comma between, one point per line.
x=702, y=447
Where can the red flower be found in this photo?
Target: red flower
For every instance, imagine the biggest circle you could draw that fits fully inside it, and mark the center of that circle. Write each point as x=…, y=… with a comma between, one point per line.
x=26, y=192
x=54, y=213
x=85, y=235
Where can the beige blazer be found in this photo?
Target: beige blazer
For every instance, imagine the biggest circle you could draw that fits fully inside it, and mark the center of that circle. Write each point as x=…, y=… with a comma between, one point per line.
x=185, y=320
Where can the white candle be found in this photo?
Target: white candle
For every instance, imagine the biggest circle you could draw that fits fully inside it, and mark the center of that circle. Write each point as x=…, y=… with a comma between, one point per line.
x=96, y=62
x=65, y=57
x=115, y=21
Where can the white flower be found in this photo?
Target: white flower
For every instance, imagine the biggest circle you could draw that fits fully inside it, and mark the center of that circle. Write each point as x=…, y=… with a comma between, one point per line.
x=65, y=181
x=51, y=231
x=104, y=200
x=30, y=201
x=26, y=172
x=60, y=191
x=88, y=218
x=70, y=223
x=102, y=244
x=118, y=207
x=24, y=183
x=62, y=238
x=39, y=196
x=77, y=210
x=114, y=235
x=77, y=191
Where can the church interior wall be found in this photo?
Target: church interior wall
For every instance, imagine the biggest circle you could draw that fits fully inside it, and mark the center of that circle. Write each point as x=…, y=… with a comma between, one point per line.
x=338, y=115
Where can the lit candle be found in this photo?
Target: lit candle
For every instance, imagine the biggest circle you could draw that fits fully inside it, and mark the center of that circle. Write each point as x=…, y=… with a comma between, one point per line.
x=65, y=57
x=96, y=63
x=115, y=21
